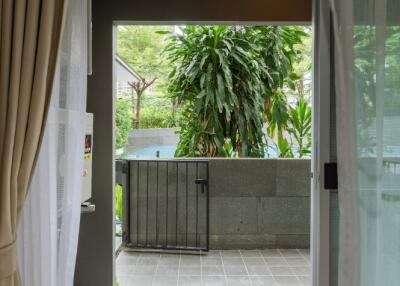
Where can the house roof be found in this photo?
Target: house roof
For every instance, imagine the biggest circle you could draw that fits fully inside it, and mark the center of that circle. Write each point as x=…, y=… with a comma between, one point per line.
x=128, y=67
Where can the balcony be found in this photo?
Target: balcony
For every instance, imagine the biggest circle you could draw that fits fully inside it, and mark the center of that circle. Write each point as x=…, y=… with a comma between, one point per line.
x=215, y=222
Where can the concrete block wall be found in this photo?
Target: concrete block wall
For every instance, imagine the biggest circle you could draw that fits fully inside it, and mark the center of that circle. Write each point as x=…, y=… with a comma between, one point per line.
x=254, y=203
x=260, y=203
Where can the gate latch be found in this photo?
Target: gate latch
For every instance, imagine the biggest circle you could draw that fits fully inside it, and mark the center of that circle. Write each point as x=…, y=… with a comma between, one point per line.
x=202, y=183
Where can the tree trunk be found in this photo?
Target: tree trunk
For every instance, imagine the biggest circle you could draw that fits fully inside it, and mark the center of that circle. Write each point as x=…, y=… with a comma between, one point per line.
x=139, y=87
x=138, y=98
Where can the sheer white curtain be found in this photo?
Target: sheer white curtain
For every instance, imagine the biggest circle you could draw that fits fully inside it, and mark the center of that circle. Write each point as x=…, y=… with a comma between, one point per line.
x=48, y=232
x=368, y=127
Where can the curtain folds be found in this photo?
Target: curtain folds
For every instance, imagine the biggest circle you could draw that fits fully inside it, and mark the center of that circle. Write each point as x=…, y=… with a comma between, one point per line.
x=49, y=228
x=367, y=47
x=29, y=40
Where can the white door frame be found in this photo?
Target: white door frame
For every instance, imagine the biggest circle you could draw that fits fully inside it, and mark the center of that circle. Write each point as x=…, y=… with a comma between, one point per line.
x=320, y=219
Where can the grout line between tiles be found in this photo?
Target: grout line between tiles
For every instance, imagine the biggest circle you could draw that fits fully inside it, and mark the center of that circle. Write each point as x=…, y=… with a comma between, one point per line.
x=179, y=268
x=269, y=268
x=245, y=266
x=223, y=267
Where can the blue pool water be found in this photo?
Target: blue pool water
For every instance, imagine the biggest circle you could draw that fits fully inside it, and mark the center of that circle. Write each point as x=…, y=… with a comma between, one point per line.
x=166, y=152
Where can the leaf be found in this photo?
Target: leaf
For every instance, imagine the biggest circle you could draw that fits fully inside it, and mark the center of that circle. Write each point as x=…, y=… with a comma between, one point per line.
x=163, y=32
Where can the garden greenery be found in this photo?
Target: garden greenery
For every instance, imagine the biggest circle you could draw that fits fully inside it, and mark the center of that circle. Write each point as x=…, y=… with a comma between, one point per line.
x=229, y=81
x=118, y=202
x=123, y=121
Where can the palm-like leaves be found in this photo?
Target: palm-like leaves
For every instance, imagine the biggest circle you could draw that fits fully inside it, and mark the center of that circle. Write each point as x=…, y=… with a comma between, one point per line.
x=300, y=126
x=224, y=75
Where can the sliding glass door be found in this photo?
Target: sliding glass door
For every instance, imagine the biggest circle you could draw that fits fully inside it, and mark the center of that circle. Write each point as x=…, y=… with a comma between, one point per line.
x=367, y=64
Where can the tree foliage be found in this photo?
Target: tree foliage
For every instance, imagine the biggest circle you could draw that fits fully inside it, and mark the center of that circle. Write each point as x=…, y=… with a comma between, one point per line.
x=228, y=78
x=123, y=121
x=141, y=47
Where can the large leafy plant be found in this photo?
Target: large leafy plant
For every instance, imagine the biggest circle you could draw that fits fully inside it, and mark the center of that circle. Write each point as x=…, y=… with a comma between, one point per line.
x=227, y=78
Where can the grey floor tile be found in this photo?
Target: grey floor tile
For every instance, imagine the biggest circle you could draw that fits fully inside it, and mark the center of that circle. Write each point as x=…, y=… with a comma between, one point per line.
x=258, y=270
x=301, y=270
x=269, y=267
x=235, y=270
x=270, y=253
x=165, y=280
x=190, y=281
x=281, y=271
x=250, y=253
x=142, y=281
x=126, y=260
x=169, y=260
x=212, y=270
x=254, y=261
x=148, y=261
x=305, y=252
x=145, y=269
x=263, y=281
x=238, y=281
x=276, y=261
x=189, y=271
x=287, y=281
x=167, y=270
x=190, y=260
x=214, y=281
x=298, y=261
x=230, y=253
x=305, y=280
x=290, y=252
x=125, y=270
x=233, y=261
x=211, y=261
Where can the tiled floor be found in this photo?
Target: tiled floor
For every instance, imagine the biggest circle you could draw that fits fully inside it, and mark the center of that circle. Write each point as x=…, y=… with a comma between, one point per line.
x=272, y=267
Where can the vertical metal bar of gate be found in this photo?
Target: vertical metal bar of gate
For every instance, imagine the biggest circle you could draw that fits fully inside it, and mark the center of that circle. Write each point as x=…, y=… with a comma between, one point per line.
x=150, y=204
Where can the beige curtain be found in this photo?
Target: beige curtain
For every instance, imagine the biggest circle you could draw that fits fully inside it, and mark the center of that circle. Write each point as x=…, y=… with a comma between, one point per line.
x=30, y=32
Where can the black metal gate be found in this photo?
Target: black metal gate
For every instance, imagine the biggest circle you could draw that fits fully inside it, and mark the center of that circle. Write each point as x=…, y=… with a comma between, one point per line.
x=166, y=203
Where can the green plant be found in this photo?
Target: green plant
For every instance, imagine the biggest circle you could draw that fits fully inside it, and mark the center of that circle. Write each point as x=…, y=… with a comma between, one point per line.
x=123, y=121
x=226, y=77
x=152, y=117
x=118, y=202
x=284, y=147
x=141, y=47
x=300, y=124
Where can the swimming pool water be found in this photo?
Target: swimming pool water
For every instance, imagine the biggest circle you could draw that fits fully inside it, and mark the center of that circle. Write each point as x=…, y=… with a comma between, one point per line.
x=166, y=152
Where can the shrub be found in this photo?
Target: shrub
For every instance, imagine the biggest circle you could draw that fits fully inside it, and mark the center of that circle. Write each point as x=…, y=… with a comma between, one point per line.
x=156, y=118
x=123, y=121
x=118, y=202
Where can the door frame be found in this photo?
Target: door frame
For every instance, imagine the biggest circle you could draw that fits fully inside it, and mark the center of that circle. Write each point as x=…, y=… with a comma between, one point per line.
x=320, y=198
x=97, y=231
